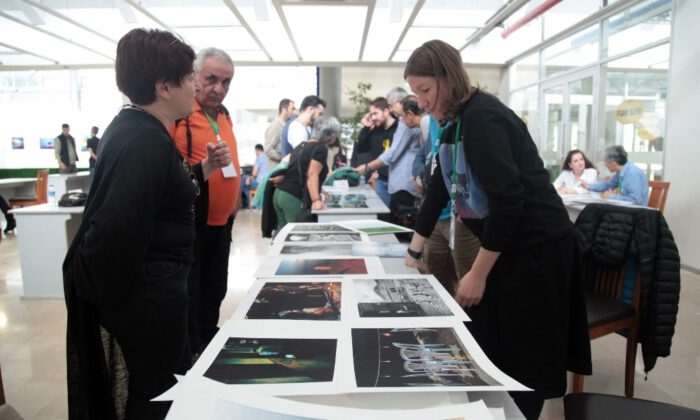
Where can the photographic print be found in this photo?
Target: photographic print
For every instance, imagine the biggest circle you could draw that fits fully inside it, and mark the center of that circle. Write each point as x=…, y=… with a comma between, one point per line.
x=323, y=237
x=373, y=226
x=318, y=301
x=46, y=143
x=347, y=201
x=318, y=249
x=274, y=361
x=17, y=143
x=414, y=357
x=316, y=227
x=303, y=267
x=398, y=298
x=378, y=249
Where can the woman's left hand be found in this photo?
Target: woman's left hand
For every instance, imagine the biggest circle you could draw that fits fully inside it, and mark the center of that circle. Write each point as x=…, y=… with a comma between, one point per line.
x=470, y=289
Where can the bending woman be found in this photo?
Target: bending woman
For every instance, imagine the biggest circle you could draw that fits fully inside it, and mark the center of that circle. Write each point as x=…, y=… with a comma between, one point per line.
x=126, y=270
x=308, y=168
x=576, y=168
x=523, y=292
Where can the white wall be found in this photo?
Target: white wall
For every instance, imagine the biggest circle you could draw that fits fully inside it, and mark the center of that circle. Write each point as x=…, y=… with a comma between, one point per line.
x=683, y=146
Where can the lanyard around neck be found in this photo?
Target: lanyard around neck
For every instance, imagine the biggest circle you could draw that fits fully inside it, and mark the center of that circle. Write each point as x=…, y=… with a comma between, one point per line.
x=453, y=190
x=214, y=125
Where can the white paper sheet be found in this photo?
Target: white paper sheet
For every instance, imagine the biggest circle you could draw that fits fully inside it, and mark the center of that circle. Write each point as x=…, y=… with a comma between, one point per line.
x=373, y=226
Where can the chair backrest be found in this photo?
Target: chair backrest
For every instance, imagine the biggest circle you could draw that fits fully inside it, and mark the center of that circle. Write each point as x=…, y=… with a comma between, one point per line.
x=658, y=191
x=617, y=283
x=42, y=185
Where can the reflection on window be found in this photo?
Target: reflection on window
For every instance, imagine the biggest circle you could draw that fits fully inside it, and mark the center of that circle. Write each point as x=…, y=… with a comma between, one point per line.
x=572, y=52
x=640, y=25
x=635, y=109
x=525, y=71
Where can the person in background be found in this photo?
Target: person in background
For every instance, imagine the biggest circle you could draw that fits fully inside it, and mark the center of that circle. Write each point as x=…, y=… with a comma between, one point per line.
x=220, y=196
x=92, y=144
x=629, y=183
x=399, y=158
x=259, y=171
x=273, y=149
x=524, y=292
x=437, y=251
x=125, y=274
x=64, y=151
x=298, y=130
x=337, y=155
x=575, y=169
x=9, y=217
x=376, y=135
x=308, y=168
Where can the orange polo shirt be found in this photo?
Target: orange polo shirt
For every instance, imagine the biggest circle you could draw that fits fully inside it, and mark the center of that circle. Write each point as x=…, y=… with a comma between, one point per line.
x=224, y=193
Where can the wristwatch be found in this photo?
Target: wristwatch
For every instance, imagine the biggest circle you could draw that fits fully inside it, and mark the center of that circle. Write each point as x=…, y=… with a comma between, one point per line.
x=414, y=254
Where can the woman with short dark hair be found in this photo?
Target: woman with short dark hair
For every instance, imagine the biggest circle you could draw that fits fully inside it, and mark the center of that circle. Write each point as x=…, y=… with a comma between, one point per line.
x=523, y=293
x=126, y=270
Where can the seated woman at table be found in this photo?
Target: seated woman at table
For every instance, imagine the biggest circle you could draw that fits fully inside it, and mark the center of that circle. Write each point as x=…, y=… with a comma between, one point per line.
x=125, y=274
x=576, y=168
x=308, y=168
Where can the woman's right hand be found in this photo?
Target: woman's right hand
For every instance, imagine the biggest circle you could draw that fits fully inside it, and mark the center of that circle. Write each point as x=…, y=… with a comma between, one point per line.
x=417, y=264
x=318, y=205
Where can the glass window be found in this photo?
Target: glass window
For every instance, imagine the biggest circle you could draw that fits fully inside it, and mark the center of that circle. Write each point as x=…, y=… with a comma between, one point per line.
x=575, y=51
x=525, y=71
x=524, y=102
x=637, y=26
x=635, y=108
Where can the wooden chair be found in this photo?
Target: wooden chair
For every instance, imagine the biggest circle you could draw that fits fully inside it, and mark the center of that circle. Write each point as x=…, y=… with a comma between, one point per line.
x=42, y=181
x=658, y=191
x=608, y=313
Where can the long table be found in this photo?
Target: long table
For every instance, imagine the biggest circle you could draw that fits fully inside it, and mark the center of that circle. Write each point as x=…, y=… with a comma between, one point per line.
x=45, y=233
x=186, y=405
x=16, y=187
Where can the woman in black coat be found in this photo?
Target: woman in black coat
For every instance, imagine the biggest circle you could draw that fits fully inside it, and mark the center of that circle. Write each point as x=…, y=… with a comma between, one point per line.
x=523, y=293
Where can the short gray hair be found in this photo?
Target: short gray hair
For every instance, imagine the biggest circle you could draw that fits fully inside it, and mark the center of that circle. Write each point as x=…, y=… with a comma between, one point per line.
x=396, y=94
x=324, y=128
x=218, y=54
x=616, y=154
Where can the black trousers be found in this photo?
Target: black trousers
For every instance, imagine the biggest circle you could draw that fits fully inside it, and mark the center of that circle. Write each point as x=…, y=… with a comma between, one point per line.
x=5, y=208
x=399, y=203
x=208, y=282
x=151, y=329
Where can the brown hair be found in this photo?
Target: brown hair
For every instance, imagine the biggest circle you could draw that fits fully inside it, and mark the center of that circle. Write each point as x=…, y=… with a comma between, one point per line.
x=566, y=166
x=442, y=61
x=145, y=56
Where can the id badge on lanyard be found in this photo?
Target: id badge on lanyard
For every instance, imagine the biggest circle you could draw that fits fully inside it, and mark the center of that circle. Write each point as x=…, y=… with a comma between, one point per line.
x=453, y=189
x=227, y=171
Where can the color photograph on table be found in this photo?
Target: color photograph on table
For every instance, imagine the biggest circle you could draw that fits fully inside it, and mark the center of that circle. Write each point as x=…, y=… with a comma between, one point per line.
x=274, y=361
x=319, y=227
x=415, y=358
x=405, y=297
x=303, y=267
x=373, y=226
x=313, y=301
x=323, y=237
x=311, y=249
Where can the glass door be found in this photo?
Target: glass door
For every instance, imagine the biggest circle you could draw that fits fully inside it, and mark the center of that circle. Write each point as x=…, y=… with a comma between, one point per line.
x=568, y=118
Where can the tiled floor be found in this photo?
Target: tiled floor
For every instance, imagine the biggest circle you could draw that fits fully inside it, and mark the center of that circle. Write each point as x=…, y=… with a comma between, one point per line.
x=32, y=332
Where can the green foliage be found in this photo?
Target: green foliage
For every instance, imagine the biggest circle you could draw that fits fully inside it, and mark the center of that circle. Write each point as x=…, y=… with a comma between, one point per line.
x=351, y=125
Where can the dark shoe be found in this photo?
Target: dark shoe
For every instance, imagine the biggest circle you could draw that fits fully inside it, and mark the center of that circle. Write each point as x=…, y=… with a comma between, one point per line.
x=10, y=227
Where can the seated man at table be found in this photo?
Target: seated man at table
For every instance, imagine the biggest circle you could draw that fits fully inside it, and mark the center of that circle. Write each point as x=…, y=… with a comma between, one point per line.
x=629, y=183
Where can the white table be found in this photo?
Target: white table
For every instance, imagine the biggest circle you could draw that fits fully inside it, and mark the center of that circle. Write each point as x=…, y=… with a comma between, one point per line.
x=375, y=206
x=45, y=233
x=62, y=183
x=17, y=187
x=575, y=203
x=208, y=407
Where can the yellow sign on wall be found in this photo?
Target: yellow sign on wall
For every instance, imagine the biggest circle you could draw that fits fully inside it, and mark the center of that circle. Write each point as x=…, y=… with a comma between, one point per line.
x=629, y=111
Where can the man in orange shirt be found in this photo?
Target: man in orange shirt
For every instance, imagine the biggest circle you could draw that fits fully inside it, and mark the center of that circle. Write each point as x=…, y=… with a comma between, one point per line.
x=218, y=200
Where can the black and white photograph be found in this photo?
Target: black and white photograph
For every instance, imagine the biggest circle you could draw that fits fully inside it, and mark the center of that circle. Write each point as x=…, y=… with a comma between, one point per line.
x=398, y=298
x=319, y=227
x=323, y=237
x=414, y=357
x=338, y=249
